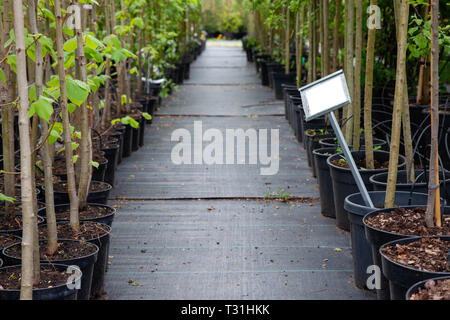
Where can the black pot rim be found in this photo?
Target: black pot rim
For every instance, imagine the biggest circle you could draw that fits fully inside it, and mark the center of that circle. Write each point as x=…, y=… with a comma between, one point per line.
x=373, y=180
x=411, y=239
x=42, y=289
x=89, y=204
x=87, y=221
x=400, y=164
x=91, y=192
x=318, y=153
x=348, y=198
x=56, y=261
x=327, y=140
x=420, y=284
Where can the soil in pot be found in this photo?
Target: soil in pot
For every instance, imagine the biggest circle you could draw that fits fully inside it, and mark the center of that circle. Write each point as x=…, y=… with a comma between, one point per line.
x=408, y=261
x=98, y=192
x=93, y=232
x=433, y=289
x=69, y=252
x=52, y=284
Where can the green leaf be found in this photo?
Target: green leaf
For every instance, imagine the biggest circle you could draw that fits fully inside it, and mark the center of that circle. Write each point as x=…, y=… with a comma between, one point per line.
x=146, y=116
x=43, y=108
x=92, y=42
x=6, y=198
x=71, y=108
x=32, y=93
x=12, y=62
x=94, y=164
x=70, y=45
x=77, y=91
x=74, y=158
x=2, y=76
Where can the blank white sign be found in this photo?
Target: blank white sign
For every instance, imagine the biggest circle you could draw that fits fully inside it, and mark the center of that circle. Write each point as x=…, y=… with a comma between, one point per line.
x=325, y=95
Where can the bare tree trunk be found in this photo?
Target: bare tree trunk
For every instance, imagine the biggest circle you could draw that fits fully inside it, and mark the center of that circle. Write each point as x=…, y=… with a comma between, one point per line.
x=326, y=42
x=310, y=43
x=400, y=83
x=25, y=156
x=106, y=116
x=300, y=33
x=6, y=98
x=287, y=40
x=368, y=91
x=433, y=214
x=349, y=49
x=357, y=81
x=71, y=187
x=85, y=173
x=336, y=36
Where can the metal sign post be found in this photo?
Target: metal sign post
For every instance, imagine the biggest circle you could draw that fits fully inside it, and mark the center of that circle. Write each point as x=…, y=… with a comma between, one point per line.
x=324, y=96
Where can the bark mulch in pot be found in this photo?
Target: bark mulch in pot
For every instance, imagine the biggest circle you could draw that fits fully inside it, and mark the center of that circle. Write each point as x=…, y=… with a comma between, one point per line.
x=410, y=222
x=424, y=254
x=88, y=231
x=49, y=277
x=433, y=290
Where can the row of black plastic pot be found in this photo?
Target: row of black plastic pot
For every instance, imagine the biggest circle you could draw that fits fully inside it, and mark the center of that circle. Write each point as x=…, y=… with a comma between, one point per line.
x=340, y=199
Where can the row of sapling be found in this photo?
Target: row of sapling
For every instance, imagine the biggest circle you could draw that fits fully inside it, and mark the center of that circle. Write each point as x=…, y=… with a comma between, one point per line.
x=56, y=76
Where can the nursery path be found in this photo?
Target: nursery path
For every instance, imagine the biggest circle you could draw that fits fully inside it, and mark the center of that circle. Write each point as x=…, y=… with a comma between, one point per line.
x=205, y=231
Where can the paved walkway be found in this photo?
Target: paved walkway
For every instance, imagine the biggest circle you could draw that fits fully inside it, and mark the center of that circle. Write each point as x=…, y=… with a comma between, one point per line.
x=205, y=231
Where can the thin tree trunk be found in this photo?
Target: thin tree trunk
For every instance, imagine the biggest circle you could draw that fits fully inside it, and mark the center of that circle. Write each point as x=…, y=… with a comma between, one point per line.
x=357, y=81
x=26, y=292
x=326, y=42
x=400, y=83
x=433, y=214
x=106, y=116
x=85, y=173
x=6, y=98
x=336, y=36
x=349, y=49
x=368, y=91
x=310, y=43
x=287, y=40
x=71, y=187
x=300, y=33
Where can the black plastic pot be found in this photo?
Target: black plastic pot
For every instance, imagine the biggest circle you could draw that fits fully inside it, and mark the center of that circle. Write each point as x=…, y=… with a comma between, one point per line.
x=420, y=285
x=112, y=154
x=98, y=174
x=273, y=68
x=86, y=265
x=401, y=277
x=344, y=184
x=120, y=136
x=141, y=131
x=356, y=209
x=264, y=72
x=136, y=135
x=93, y=196
x=282, y=78
x=312, y=143
x=377, y=238
x=18, y=232
x=98, y=279
x=153, y=104
x=127, y=142
x=107, y=219
x=62, y=292
x=288, y=92
x=324, y=181
x=1, y=263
